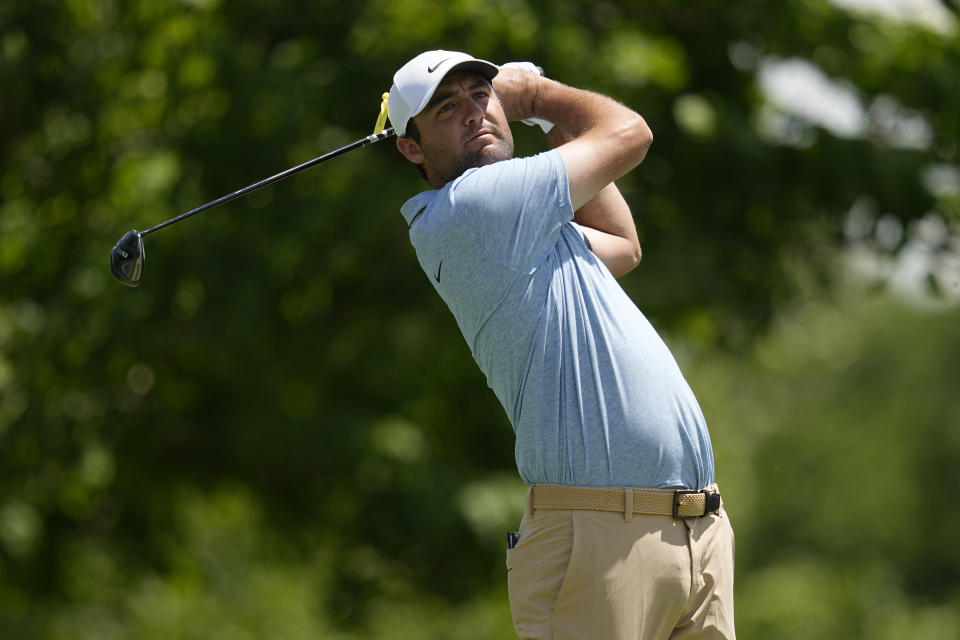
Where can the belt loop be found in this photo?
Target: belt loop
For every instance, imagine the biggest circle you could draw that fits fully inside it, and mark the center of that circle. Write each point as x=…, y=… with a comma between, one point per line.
x=530, y=509
x=628, y=504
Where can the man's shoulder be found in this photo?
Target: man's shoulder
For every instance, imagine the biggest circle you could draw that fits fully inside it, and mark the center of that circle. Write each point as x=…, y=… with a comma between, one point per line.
x=415, y=206
x=545, y=161
x=481, y=187
x=508, y=178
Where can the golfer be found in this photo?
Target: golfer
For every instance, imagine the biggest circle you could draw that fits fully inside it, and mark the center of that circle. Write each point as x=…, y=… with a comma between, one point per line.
x=624, y=534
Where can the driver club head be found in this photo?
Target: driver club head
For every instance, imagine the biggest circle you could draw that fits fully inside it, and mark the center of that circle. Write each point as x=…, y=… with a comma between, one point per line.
x=126, y=259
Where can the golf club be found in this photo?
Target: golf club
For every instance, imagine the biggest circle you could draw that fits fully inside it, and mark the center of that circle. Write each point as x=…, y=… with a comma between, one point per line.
x=126, y=257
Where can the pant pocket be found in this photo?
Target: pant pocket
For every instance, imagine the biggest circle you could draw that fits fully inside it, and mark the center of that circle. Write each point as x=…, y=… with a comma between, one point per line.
x=536, y=569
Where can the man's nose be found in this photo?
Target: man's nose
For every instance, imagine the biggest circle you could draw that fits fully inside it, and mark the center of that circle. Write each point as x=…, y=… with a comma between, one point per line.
x=474, y=111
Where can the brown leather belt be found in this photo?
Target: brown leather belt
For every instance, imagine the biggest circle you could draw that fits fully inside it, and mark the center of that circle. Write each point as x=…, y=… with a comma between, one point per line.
x=680, y=503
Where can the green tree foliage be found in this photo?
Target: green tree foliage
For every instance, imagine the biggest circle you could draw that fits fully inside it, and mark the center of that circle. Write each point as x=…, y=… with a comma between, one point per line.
x=281, y=432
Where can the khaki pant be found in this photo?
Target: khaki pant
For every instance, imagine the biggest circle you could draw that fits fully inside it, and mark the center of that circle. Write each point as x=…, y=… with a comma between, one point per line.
x=592, y=575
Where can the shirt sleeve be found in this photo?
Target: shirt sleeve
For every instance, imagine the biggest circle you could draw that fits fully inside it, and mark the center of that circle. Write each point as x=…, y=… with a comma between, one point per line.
x=514, y=209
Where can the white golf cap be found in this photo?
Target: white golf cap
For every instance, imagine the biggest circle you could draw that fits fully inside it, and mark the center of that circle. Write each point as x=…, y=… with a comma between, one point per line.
x=415, y=82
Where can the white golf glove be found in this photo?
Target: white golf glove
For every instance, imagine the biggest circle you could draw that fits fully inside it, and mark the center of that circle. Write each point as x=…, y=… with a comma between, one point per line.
x=546, y=125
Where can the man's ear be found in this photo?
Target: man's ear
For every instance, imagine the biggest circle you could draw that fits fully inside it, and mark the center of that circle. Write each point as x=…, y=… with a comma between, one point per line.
x=410, y=149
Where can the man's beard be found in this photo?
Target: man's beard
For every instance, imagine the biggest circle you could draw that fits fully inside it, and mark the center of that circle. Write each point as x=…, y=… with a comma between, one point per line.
x=480, y=158
x=451, y=166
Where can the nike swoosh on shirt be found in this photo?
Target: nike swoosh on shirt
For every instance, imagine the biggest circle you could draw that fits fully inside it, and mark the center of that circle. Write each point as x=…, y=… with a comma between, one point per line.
x=438, y=271
x=434, y=67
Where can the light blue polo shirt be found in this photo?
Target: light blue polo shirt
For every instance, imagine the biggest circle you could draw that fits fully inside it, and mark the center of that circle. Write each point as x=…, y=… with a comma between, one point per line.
x=593, y=394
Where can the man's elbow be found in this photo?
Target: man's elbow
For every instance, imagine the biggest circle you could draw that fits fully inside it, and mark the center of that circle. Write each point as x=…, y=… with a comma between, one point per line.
x=626, y=261
x=633, y=260
x=638, y=138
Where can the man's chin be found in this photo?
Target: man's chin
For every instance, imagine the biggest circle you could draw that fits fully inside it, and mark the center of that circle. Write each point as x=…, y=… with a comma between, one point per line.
x=489, y=154
x=493, y=153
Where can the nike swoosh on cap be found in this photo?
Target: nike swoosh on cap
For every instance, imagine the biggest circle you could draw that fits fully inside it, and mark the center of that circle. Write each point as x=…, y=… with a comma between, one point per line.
x=434, y=67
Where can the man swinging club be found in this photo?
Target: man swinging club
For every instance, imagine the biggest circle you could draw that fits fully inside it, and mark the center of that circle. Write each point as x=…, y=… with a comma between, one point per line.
x=624, y=535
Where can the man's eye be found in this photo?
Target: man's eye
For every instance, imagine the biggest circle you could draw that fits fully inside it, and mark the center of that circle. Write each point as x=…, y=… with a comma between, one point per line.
x=445, y=107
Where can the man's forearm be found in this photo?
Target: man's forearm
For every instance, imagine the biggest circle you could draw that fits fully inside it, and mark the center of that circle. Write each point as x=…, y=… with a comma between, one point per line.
x=576, y=111
x=609, y=213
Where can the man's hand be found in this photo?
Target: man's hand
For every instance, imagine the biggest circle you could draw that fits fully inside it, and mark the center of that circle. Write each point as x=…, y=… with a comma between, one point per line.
x=546, y=125
x=516, y=88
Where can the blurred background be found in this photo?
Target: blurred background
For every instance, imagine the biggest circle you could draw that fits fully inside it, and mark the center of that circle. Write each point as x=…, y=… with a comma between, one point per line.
x=281, y=432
